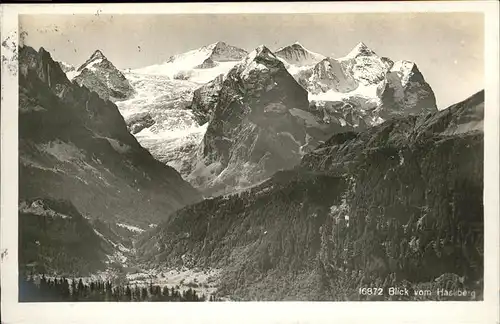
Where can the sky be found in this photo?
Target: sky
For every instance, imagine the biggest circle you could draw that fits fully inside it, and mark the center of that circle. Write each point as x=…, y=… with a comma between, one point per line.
x=448, y=48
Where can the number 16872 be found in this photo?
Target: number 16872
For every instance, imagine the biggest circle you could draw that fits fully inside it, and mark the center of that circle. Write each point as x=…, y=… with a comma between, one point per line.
x=371, y=291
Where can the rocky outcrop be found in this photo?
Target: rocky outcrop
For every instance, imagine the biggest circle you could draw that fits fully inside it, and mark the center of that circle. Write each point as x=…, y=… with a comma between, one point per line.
x=397, y=205
x=98, y=74
x=205, y=99
x=140, y=121
x=73, y=145
x=208, y=63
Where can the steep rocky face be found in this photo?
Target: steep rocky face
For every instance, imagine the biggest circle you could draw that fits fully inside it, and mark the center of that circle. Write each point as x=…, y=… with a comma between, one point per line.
x=205, y=99
x=331, y=74
x=397, y=205
x=75, y=146
x=406, y=90
x=253, y=131
x=98, y=74
x=298, y=55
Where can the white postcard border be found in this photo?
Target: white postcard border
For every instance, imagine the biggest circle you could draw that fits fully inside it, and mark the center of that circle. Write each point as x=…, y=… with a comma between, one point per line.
x=248, y=312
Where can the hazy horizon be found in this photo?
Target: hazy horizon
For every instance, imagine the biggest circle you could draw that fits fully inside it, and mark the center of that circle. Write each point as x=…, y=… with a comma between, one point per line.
x=448, y=48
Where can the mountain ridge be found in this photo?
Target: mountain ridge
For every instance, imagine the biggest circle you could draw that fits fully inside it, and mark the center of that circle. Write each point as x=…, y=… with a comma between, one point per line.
x=76, y=144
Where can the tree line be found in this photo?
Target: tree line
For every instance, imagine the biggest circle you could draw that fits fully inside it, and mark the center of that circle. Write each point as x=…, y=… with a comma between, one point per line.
x=65, y=290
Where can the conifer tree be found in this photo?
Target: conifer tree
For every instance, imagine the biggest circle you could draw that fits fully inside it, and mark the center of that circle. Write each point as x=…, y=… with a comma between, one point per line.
x=165, y=295
x=151, y=287
x=137, y=293
x=74, y=295
x=44, y=287
x=65, y=290
x=128, y=294
x=144, y=294
x=80, y=289
x=157, y=292
x=116, y=294
x=108, y=295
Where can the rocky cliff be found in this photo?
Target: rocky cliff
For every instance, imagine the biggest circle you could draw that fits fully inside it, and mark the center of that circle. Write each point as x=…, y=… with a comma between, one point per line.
x=205, y=99
x=254, y=129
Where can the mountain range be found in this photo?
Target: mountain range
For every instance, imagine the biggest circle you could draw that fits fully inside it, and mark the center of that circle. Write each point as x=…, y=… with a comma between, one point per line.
x=290, y=174
x=174, y=112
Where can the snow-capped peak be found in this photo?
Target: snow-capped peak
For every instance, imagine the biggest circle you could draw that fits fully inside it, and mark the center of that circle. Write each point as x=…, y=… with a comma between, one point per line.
x=361, y=45
x=223, y=52
x=263, y=49
x=96, y=58
x=360, y=50
x=217, y=44
x=260, y=59
x=210, y=46
x=213, y=46
x=296, y=44
x=97, y=55
x=297, y=54
x=260, y=51
x=199, y=65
